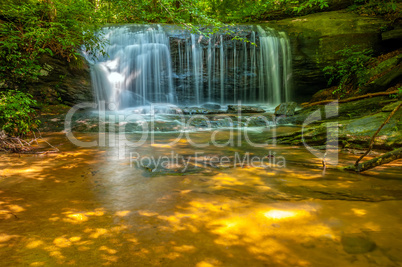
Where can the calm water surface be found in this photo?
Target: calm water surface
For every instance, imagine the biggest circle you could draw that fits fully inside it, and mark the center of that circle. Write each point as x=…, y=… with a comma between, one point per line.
x=93, y=206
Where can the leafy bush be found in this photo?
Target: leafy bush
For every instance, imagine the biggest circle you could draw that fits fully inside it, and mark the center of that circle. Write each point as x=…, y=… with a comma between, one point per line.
x=235, y=11
x=398, y=94
x=17, y=117
x=388, y=9
x=29, y=29
x=301, y=6
x=350, y=69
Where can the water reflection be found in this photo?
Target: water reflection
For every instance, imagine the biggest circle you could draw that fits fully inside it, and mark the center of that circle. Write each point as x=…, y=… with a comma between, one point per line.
x=89, y=207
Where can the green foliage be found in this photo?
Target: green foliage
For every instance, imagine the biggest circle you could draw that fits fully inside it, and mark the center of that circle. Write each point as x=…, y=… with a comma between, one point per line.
x=235, y=11
x=60, y=28
x=309, y=5
x=187, y=13
x=31, y=28
x=242, y=11
x=398, y=94
x=387, y=8
x=16, y=113
x=350, y=68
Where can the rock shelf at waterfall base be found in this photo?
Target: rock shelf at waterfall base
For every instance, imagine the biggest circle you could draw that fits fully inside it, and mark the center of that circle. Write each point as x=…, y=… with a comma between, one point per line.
x=357, y=122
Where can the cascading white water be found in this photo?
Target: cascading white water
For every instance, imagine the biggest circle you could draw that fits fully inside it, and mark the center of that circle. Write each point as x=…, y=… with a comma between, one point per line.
x=197, y=56
x=275, y=74
x=222, y=70
x=287, y=63
x=138, y=69
x=236, y=70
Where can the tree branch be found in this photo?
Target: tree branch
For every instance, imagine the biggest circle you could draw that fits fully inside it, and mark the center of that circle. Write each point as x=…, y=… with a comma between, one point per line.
x=375, y=134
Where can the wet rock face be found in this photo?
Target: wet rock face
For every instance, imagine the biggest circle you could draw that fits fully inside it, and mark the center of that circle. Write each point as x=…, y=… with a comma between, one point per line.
x=61, y=81
x=244, y=109
x=287, y=109
x=211, y=106
x=198, y=110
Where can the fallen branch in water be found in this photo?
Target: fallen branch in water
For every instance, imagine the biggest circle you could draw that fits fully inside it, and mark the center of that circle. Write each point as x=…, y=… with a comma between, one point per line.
x=306, y=105
x=386, y=158
x=18, y=145
x=14, y=144
x=375, y=134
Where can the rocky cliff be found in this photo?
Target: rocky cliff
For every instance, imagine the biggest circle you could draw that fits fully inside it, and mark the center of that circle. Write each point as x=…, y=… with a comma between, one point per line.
x=316, y=38
x=62, y=82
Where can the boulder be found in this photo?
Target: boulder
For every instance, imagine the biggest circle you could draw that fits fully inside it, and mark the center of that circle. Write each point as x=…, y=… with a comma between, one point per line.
x=244, y=109
x=287, y=109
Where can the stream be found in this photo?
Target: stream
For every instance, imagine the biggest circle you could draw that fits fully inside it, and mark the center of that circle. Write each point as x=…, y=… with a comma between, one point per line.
x=170, y=203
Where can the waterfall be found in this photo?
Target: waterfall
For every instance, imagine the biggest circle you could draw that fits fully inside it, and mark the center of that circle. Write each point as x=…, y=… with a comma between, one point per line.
x=222, y=70
x=144, y=64
x=275, y=74
x=137, y=68
x=197, y=56
x=287, y=66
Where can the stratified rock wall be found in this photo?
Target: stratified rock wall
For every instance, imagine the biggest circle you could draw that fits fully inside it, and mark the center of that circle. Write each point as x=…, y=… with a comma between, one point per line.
x=62, y=82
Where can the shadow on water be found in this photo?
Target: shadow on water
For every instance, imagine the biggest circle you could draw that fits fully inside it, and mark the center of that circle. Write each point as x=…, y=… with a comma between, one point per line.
x=87, y=207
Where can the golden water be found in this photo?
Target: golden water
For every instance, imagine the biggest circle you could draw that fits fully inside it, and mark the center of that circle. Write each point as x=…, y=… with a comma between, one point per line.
x=86, y=207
